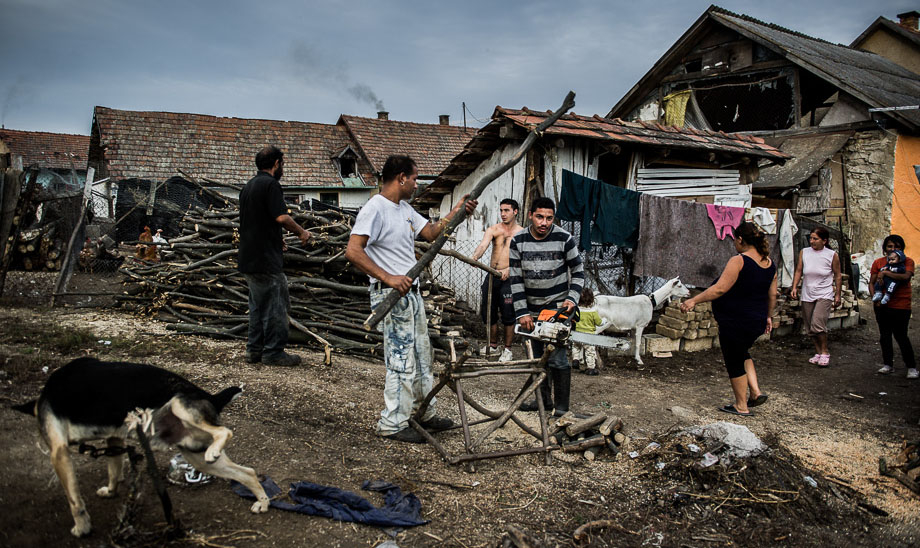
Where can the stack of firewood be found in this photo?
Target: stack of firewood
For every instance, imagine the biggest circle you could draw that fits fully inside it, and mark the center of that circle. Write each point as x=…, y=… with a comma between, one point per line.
x=39, y=249
x=590, y=436
x=197, y=288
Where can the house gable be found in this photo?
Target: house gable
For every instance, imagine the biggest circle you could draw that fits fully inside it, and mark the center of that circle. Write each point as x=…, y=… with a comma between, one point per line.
x=723, y=50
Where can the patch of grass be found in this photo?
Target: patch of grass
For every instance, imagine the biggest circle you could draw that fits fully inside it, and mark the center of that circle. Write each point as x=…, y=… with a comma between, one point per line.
x=33, y=335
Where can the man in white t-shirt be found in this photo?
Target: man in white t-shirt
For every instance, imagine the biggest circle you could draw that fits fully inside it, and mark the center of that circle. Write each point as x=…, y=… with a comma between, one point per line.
x=382, y=245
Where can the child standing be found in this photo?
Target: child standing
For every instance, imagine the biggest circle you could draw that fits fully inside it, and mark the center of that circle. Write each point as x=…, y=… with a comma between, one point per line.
x=589, y=322
x=897, y=263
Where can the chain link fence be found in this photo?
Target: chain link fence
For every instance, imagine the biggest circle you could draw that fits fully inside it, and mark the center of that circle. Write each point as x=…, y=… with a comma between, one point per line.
x=607, y=270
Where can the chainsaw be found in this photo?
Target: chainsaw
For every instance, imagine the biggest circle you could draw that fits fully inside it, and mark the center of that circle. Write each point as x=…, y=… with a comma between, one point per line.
x=555, y=326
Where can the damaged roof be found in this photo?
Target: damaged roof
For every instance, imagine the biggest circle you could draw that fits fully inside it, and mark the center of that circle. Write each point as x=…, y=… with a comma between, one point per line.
x=47, y=150
x=432, y=146
x=613, y=131
x=809, y=155
x=870, y=78
x=155, y=145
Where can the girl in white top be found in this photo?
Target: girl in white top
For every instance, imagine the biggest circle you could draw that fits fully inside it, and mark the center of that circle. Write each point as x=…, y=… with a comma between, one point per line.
x=819, y=270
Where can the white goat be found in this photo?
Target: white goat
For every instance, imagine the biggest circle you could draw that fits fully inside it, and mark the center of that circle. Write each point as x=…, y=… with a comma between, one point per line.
x=635, y=313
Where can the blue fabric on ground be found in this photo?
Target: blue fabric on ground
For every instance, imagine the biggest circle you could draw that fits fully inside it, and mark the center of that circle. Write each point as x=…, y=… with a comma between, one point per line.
x=398, y=510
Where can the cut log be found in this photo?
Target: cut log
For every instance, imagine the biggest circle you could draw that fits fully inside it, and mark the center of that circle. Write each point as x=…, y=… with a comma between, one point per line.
x=612, y=424
x=575, y=446
x=585, y=424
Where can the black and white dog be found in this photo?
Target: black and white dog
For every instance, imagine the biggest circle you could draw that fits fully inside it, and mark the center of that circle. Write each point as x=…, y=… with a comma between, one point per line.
x=92, y=400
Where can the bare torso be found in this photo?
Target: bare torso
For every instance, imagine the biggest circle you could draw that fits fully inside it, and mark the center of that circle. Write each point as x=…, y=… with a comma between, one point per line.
x=501, y=242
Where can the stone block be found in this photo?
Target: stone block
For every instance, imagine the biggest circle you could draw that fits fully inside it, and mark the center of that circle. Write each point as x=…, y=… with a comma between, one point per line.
x=678, y=315
x=712, y=332
x=694, y=324
x=691, y=334
x=656, y=343
x=716, y=343
x=668, y=332
x=705, y=324
x=695, y=345
x=781, y=331
x=850, y=321
x=833, y=323
x=673, y=323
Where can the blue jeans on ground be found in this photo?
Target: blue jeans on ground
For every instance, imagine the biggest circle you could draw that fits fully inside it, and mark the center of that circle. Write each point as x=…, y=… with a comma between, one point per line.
x=407, y=354
x=269, y=305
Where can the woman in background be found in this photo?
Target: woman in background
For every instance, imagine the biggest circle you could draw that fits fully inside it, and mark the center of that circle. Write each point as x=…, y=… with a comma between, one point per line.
x=893, y=317
x=818, y=268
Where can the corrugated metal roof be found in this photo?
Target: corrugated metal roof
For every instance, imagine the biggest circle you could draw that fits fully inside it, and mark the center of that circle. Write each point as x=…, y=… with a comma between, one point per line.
x=48, y=150
x=809, y=152
x=154, y=145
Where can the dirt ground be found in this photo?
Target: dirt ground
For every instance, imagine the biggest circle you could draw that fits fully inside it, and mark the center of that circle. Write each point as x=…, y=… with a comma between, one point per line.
x=316, y=423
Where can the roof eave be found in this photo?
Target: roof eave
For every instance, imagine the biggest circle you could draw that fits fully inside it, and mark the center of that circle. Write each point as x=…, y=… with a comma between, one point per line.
x=634, y=96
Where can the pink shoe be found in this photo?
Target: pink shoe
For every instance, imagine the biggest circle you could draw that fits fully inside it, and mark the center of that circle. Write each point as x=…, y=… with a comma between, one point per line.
x=815, y=358
x=824, y=360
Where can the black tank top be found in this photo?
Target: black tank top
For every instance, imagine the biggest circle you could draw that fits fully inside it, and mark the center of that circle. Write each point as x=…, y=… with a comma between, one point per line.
x=746, y=301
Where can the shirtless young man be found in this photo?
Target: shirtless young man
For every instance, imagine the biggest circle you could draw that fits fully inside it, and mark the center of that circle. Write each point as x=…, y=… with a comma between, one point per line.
x=499, y=237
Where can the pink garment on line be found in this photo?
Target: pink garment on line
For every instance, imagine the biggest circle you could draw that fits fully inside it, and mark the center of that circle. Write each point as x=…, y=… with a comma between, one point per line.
x=725, y=219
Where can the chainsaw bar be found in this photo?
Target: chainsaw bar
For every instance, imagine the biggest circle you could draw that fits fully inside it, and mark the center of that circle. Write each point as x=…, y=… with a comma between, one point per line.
x=599, y=340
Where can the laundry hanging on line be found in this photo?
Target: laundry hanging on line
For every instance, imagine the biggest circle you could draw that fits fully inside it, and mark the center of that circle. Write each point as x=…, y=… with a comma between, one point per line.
x=608, y=214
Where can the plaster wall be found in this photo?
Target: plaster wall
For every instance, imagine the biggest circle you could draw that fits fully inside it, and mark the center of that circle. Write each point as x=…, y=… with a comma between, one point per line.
x=870, y=161
x=893, y=48
x=905, y=211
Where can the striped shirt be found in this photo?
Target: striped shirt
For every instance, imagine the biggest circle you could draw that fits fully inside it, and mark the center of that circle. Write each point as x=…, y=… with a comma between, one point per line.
x=545, y=272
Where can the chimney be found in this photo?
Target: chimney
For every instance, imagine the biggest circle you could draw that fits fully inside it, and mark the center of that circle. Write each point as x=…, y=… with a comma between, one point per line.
x=383, y=115
x=909, y=20
x=444, y=119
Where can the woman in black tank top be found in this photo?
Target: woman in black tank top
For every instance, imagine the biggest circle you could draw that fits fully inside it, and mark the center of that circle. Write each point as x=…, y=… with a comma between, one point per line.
x=742, y=303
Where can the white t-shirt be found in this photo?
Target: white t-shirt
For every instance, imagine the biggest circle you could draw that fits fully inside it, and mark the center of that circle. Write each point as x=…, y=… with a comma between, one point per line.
x=391, y=230
x=817, y=274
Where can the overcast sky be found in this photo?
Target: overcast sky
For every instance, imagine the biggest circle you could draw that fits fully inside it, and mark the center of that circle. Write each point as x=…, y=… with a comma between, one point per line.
x=312, y=61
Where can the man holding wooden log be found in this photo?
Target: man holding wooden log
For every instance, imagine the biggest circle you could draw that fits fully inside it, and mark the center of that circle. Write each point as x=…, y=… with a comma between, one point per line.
x=496, y=292
x=382, y=245
x=262, y=215
x=546, y=273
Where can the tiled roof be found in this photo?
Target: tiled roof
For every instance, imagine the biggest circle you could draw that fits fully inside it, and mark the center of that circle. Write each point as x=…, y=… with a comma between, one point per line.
x=644, y=133
x=48, y=150
x=154, y=145
x=614, y=131
x=432, y=146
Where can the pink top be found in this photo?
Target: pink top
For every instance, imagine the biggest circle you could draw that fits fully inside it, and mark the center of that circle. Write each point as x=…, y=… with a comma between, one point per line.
x=725, y=219
x=817, y=274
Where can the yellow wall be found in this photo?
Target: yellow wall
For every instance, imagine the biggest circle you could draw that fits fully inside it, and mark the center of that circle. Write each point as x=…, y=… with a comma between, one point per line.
x=905, y=209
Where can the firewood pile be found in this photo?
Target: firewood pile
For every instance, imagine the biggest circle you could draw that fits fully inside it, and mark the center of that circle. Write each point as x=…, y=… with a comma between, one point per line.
x=593, y=437
x=40, y=248
x=196, y=287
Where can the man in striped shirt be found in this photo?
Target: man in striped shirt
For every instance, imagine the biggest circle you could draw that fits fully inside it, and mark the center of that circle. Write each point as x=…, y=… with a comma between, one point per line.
x=546, y=272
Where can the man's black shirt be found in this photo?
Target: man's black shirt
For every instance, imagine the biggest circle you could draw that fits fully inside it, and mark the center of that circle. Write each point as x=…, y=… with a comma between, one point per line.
x=261, y=202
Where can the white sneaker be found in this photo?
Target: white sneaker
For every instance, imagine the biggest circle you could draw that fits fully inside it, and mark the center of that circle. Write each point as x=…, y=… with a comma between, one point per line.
x=885, y=370
x=507, y=357
x=912, y=373
x=485, y=350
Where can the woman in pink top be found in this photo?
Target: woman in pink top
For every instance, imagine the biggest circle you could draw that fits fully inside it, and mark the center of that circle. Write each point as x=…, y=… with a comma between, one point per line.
x=819, y=270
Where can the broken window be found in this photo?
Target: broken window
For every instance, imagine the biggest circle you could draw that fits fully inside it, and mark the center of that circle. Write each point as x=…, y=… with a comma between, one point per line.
x=329, y=198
